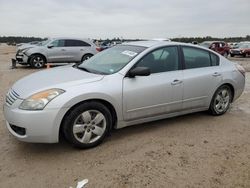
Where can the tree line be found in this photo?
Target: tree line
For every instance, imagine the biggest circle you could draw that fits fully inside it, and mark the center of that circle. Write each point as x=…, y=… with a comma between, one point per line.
x=16, y=40
x=19, y=39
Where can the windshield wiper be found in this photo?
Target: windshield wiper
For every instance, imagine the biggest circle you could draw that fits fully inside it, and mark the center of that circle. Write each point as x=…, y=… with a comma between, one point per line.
x=89, y=70
x=83, y=68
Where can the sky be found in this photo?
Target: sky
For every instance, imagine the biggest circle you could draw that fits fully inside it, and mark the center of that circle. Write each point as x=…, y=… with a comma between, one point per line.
x=125, y=18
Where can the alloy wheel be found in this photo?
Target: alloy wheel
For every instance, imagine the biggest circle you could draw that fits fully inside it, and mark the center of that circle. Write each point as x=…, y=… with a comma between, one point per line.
x=89, y=126
x=222, y=100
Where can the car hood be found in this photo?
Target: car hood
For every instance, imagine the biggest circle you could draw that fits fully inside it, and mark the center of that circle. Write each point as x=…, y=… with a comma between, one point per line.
x=26, y=46
x=61, y=77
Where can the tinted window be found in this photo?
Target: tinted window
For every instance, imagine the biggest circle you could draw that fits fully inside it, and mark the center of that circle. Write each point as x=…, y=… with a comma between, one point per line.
x=196, y=58
x=71, y=43
x=161, y=60
x=214, y=59
x=82, y=43
x=58, y=43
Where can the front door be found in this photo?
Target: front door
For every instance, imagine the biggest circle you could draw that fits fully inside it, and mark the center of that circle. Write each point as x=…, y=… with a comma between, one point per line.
x=57, y=53
x=156, y=94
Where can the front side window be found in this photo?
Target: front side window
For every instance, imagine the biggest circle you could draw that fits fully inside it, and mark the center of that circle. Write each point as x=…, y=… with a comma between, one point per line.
x=111, y=60
x=58, y=43
x=196, y=58
x=161, y=60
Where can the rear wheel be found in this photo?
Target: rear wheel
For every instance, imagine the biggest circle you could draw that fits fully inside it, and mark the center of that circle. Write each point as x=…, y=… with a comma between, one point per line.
x=87, y=56
x=232, y=55
x=37, y=61
x=87, y=125
x=221, y=100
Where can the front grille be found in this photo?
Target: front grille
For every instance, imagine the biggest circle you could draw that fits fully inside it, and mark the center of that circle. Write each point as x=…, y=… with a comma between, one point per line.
x=11, y=97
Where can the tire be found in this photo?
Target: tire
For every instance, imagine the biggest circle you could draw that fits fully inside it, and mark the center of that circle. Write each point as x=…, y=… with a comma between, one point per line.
x=244, y=55
x=37, y=61
x=86, y=125
x=221, y=100
x=232, y=55
x=86, y=57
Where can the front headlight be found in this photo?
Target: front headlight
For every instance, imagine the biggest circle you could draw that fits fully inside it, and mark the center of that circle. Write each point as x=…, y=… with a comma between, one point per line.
x=21, y=52
x=39, y=100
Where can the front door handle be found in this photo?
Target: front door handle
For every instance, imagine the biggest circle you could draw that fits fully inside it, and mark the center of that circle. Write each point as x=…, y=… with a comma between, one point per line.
x=63, y=50
x=216, y=74
x=175, y=82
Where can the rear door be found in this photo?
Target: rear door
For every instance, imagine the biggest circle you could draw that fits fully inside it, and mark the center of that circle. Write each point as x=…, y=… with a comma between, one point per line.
x=156, y=94
x=201, y=77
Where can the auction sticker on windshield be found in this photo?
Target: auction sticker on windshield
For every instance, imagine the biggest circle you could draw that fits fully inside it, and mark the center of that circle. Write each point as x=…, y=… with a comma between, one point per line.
x=129, y=53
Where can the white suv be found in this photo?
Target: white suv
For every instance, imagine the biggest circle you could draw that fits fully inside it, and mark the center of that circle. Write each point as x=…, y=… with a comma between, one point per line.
x=56, y=50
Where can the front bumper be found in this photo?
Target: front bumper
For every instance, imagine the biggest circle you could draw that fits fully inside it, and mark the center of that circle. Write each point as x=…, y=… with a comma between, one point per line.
x=39, y=126
x=21, y=58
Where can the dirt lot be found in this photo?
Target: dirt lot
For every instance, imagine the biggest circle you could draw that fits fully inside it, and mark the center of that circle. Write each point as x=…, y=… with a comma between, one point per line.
x=196, y=150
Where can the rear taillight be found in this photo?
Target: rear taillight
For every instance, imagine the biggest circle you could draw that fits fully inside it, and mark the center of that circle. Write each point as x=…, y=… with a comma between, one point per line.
x=99, y=49
x=241, y=70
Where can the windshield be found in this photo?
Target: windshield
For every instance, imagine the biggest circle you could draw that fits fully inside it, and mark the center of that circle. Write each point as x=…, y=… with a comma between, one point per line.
x=111, y=60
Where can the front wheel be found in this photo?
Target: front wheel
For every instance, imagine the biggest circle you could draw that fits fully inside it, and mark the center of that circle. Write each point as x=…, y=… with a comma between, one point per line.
x=37, y=61
x=87, y=125
x=221, y=100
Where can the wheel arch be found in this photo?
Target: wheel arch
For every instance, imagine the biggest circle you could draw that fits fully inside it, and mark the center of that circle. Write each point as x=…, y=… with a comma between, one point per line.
x=230, y=85
x=88, y=53
x=37, y=54
x=106, y=103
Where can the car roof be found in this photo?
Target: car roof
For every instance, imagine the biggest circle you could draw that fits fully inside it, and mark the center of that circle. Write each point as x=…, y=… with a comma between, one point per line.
x=149, y=43
x=71, y=38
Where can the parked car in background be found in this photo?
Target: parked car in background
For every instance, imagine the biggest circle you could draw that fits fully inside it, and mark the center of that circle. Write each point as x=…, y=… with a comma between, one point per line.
x=218, y=46
x=56, y=50
x=242, y=49
x=124, y=85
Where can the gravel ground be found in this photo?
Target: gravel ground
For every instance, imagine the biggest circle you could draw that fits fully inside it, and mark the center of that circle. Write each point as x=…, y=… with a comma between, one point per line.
x=196, y=150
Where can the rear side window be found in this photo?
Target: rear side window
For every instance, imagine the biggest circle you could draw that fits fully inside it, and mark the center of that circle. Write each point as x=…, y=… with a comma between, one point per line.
x=74, y=43
x=196, y=58
x=214, y=59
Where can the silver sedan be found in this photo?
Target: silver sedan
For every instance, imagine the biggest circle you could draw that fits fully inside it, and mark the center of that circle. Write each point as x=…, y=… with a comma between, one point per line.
x=125, y=85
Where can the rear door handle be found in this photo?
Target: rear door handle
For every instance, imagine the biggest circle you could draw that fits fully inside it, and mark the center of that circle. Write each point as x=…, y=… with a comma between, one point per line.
x=81, y=49
x=63, y=50
x=216, y=74
x=175, y=82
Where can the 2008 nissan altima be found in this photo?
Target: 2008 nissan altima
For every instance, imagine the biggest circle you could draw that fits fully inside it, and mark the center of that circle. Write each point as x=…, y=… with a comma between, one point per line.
x=125, y=85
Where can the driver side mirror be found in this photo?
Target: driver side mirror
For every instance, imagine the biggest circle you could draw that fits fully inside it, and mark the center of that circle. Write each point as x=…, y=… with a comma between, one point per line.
x=139, y=71
x=50, y=46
